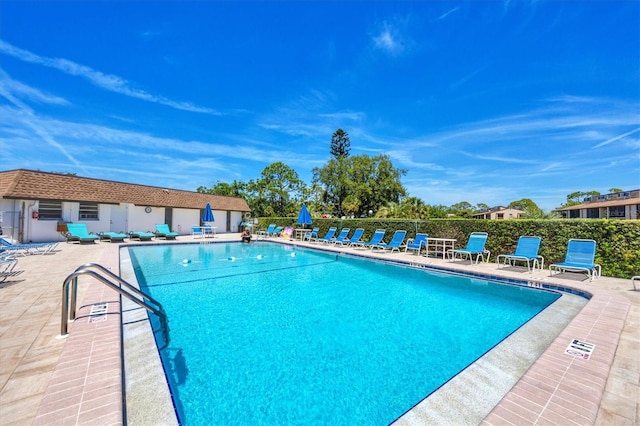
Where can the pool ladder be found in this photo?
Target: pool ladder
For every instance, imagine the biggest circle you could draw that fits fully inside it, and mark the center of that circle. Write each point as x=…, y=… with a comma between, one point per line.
x=106, y=277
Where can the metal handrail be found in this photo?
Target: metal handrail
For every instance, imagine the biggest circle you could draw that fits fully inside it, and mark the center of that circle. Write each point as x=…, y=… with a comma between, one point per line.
x=69, y=303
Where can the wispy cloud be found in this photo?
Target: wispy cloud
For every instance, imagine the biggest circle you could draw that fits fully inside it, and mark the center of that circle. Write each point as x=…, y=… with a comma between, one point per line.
x=447, y=13
x=9, y=86
x=616, y=138
x=392, y=38
x=108, y=82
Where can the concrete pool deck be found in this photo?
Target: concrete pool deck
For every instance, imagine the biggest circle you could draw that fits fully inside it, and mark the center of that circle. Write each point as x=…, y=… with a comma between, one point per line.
x=77, y=380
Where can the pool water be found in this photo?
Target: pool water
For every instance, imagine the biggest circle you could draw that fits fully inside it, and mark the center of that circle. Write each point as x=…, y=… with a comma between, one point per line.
x=264, y=334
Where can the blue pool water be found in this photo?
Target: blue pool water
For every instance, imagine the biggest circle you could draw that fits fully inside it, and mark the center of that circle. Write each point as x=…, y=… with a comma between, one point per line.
x=262, y=334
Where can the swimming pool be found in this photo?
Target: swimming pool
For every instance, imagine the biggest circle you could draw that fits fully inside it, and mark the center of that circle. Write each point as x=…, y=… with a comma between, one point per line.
x=263, y=334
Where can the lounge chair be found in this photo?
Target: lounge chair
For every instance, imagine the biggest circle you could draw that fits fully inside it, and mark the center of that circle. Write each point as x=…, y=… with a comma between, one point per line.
x=475, y=246
x=8, y=248
x=580, y=256
x=112, y=236
x=633, y=281
x=341, y=236
x=396, y=243
x=311, y=235
x=416, y=244
x=377, y=237
x=141, y=235
x=7, y=265
x=78, y=233
x=163, y=231
x=330, y=233
x=276, y=231
x=526, y=251
x=355, y=238
x=267, y=231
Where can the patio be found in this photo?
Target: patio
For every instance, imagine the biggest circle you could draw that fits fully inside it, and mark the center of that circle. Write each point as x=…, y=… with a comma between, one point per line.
x=36, y=386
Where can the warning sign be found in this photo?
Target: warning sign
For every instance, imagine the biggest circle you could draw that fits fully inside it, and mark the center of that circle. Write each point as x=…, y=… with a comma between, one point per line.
x=580, y=349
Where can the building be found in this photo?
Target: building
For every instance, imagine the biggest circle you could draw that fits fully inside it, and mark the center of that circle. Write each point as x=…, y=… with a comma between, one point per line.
x=617, y=205
x=33, y=204
x=498, y=212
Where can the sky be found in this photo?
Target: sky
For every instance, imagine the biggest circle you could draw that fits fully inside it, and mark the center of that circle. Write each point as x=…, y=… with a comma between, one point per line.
x=479, y=101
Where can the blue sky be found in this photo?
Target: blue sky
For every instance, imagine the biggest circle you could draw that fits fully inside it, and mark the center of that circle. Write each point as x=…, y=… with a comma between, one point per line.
x=481, y=101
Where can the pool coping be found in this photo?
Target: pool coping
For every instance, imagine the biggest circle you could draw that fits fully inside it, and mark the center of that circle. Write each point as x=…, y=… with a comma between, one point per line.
x=555, y=389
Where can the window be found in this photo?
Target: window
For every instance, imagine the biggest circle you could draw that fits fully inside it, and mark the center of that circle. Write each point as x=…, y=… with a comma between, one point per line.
x=88, y=211
x=50, y=210
x=573, y=214
x=593, y=213
x=616, y=212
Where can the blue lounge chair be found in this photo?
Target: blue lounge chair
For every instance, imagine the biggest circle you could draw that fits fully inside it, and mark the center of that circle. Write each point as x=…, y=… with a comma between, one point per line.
x=396, y=243
x=311, y=235
x=377, y=237
x=355, y=238
x=78, y=233
x=330, y=233
x=111, y=236
x=526, y=251
x=580, y=256
x=141, y=235
x=475, y=246
x=267, y=231
x=7, y=265
x=8, y=248
x=416, y=244
x=163, y=231
x=276, y=231
x=341, y=236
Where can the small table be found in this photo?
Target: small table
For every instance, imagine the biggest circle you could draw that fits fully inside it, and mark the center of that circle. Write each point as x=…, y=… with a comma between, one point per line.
x=440, y=245
x=300, y=233
x=204, y=231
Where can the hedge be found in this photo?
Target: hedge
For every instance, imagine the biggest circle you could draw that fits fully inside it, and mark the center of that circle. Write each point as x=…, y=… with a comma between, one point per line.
x=618, y=241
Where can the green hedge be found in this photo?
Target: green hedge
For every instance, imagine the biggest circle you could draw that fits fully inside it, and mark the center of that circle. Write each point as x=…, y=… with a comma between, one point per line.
x=618, y=249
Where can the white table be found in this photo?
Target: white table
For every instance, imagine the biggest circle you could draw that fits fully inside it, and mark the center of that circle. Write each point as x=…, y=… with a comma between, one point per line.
x=204, y=231
x=300, y=233
x=436, y=246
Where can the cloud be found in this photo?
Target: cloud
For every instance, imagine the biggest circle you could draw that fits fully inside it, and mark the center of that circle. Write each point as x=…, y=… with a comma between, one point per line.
x=447, y=13
x=108, y=82
x=615, y=138
x=10, y=87
x=391, y=38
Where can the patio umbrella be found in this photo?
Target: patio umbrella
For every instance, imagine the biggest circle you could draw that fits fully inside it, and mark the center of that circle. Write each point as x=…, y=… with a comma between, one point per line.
x=207, y=215
x=304, y=218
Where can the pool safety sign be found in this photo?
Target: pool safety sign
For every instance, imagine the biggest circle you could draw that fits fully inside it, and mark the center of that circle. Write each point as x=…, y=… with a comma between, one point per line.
x=580, y=349
x=98, y=312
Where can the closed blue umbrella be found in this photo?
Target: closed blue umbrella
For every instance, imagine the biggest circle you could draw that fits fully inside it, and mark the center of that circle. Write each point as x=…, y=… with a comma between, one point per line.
x=207, y=215
x=304, y=218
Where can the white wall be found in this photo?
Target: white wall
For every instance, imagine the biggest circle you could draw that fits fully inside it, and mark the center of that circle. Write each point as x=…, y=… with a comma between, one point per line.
x=117, y=218
x=139, y=220
x=183, y=220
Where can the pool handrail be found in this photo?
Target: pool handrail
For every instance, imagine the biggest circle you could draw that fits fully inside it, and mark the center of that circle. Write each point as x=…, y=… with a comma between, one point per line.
x=68, y=309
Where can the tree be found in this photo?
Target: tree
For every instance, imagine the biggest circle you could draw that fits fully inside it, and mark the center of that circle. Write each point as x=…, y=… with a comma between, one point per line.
x=529, y=208
x=575, y=198
x=615, y=190
x=235, y=189
x=340, y=144
x=367, y=183
x=278, y=190
x=462, y=209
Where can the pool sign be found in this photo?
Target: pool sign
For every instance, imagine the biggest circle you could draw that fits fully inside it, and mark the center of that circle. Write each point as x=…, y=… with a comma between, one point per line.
x=580, y=349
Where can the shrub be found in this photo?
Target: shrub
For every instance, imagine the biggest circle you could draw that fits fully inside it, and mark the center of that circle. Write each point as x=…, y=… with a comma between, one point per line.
x=618, y=241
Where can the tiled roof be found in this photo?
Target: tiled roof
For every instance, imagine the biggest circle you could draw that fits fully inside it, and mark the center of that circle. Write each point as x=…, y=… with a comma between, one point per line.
x=35, y=185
